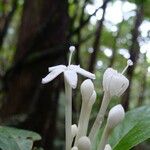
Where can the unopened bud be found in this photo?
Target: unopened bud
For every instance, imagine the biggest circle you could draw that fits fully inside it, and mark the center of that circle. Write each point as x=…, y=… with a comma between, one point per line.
x=108, y=147
x=84, y=143
x=87, y=89
x=93, y=98
x=115, y=116
x=74, y=148
x=74, y=130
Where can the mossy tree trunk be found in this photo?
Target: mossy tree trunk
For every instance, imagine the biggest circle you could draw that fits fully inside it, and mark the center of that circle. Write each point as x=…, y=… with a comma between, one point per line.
x=41, y=43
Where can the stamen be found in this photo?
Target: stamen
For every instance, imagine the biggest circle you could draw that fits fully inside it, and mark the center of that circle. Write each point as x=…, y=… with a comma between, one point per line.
x=129, y=63
x=72, y=49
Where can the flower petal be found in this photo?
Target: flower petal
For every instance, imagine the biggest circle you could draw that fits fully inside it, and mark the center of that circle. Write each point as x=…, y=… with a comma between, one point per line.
x=82, y=71
x=52, y=75
x=118, y=85
x=56, y=67
x=71, y=77
x=107, y=78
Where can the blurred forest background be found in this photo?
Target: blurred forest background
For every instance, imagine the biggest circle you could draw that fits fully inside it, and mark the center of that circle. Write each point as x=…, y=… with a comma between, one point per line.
x=36, y=34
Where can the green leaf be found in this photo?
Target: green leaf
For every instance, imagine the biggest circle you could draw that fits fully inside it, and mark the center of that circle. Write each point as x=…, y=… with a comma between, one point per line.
x=127, y=132
x=139, y=133
x=16, y=139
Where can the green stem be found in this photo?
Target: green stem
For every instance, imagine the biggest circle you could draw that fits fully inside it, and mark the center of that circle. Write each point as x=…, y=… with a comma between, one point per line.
x=68, y=114
x=100, y=117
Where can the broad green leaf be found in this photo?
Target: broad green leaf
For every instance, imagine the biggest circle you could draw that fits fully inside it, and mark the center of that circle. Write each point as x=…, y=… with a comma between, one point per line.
x=132, y=120
x=139, y=133
x=16, y=139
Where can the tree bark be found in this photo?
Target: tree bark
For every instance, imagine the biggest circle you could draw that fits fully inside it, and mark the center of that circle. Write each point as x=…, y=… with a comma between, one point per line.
x=96, y=44
x=143, y=82
x=134, y=54
x=41, y=43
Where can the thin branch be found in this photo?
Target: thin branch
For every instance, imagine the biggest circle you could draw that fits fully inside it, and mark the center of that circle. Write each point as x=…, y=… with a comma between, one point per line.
x=85, y=22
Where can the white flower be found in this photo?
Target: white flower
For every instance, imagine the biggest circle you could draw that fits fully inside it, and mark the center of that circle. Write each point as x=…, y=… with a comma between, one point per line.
x=70, y=73
x=115, y=83
x=115, y=116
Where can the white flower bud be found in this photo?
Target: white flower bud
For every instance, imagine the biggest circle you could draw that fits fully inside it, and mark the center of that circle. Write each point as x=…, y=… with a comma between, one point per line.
x=87, y=89
x=108, y=147
x=74, y=130
x=84, y=143
x=93, y=98
x=114, y=82
x=115, y=116
x=74, y=148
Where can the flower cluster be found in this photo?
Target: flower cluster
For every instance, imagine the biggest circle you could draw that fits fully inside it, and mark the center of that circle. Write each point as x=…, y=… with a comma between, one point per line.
x=114, y=84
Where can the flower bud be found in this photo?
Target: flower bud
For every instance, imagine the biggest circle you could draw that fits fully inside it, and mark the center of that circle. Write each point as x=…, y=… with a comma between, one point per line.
x=84, y=143
x=87, y=89
x=115, y=116
x=108, y=147
x=114, y=82
x=74, y=130
x=93, y=98
x=74, y=148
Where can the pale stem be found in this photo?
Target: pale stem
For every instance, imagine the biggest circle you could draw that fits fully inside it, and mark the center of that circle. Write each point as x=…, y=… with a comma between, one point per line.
x=70, y=57
x=86, y=120
x=104, y=138
x=83, y=120
x=124, y=70
x=100, y=117
x=68, y=114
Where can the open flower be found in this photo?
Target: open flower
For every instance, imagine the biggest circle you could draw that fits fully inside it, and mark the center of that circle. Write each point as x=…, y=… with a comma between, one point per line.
x=70, y=73
x=115, y=83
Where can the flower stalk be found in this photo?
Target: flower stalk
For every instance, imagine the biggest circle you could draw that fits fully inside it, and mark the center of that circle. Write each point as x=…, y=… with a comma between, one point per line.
x=115, y=116
x=68, y=114
x=100, y=117
x=88, y=99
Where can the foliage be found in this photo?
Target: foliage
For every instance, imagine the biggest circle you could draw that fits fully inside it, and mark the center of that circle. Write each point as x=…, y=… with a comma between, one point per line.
x=16, y=139
x=133, y=130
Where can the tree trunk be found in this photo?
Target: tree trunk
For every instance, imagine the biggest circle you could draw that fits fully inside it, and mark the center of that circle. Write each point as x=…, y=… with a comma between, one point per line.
x=41, y=43
x=134, y=54
x=97, y=40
